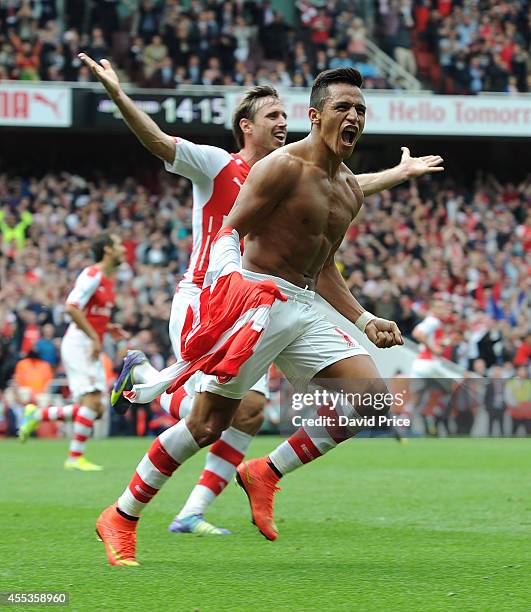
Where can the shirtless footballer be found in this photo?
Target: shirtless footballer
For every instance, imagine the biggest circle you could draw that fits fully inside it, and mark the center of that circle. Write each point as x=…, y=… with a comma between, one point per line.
x=259, y=127
x=294, y=209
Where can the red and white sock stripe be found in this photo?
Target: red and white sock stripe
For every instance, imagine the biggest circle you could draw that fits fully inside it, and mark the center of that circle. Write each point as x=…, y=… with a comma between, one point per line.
x=224, y=457
x=58, y=413
x=152, y=472
x=222, y=460
x=178, y=404
x=166, y=454
x=83, y=425
x=310, y=443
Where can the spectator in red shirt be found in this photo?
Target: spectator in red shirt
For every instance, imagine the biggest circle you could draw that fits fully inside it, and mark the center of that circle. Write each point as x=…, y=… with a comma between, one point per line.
x=320, y=26
x=523, y=352
x=31, y=331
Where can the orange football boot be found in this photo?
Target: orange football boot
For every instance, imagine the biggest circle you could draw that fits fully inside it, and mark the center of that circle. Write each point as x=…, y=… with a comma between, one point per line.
x=259, y=482
x=119, y=537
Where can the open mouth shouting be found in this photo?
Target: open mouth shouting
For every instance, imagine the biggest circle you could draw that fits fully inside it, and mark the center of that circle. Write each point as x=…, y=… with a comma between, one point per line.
x=280, y=135
x=348, y=135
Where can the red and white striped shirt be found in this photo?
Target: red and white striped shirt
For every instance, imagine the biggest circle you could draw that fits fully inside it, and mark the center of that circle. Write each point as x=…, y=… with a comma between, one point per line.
x=225, y=321
x=217, y=177
x=93, y=293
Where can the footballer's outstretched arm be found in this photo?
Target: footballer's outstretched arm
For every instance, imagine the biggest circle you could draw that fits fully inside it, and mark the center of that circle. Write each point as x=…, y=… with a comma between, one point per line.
x=144, y=128
x=408, y=168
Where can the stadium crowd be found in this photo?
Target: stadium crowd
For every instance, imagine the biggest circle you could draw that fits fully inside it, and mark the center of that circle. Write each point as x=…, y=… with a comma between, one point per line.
x=167, y=44
x=479, y=45
x=470, y=247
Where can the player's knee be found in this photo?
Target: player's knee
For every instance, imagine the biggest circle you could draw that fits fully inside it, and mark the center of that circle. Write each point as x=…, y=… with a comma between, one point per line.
x=210, y=433
x=99, y=410
x=377, y=401
x=255, y=424
x=250, y=424
x=93, y=402
x=206, y=432
x=250, y=415
x=210, y=417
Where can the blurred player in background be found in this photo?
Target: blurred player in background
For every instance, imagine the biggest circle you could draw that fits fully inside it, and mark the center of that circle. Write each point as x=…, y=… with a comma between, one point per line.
x=259, y=127
x=427, y=372
x=89, y=305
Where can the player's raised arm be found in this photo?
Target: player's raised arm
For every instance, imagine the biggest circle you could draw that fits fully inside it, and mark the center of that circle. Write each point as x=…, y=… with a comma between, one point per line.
x=408, y=168
x=145, y=129
x=268, y=183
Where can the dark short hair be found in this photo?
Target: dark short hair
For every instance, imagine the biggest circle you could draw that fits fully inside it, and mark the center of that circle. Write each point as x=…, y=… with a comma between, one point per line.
x=329, y=77
x=247, y=108
x=98, y=244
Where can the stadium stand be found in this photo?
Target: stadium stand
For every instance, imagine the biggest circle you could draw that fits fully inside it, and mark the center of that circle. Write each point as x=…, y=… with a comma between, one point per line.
x=470, y=48
x=453, y=48
x=467, y=246
x=168, y=44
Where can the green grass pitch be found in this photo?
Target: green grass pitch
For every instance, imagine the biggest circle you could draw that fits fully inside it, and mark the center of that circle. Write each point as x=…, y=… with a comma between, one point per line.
x=374, y=525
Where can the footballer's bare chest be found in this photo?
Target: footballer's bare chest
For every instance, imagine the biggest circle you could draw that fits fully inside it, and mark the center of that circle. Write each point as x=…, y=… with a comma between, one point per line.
x=325, y=207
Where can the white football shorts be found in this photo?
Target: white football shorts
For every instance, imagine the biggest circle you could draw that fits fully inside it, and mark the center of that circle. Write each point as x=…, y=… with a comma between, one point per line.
x=298, y=339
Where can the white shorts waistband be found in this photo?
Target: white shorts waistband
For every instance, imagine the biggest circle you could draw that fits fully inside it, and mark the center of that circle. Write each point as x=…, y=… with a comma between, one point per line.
x=292, y=291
